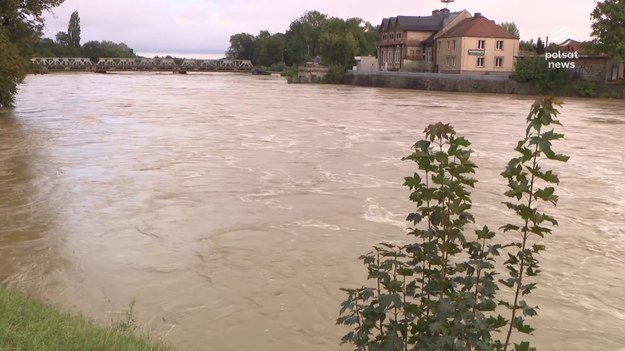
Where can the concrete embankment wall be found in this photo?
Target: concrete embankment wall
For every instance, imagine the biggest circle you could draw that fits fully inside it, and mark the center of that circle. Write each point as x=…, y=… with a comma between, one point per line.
x=439, y=82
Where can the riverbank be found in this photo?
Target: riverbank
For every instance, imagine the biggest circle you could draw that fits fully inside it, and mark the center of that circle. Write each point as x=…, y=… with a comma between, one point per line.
x=28, y=324
x=476, y=84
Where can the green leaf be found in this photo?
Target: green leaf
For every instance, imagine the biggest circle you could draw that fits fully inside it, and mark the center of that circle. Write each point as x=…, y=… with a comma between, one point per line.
x=524, y=346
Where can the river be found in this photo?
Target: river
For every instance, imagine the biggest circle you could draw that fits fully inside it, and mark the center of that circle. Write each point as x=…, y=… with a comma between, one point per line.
x=233, y=207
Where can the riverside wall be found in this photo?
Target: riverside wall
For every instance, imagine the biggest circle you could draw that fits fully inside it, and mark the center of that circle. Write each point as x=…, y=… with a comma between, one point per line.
x=496, y=84
x=439, y=82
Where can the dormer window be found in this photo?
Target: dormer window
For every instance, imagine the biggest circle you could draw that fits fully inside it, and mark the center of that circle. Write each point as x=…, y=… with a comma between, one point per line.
x=398, y=35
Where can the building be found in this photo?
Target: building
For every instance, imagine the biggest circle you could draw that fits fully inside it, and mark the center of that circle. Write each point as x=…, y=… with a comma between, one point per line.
x=366, y=64
x=407, y=42
x=476, y=45
x=571, y=45
x=592, y=67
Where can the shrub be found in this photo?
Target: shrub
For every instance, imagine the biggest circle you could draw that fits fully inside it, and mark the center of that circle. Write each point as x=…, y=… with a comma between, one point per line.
x=586, y=89
x=536, y=70
x=440, y=291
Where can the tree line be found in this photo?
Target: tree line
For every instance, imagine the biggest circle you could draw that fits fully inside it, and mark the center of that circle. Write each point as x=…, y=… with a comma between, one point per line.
x=336, y=41
x=67, y=44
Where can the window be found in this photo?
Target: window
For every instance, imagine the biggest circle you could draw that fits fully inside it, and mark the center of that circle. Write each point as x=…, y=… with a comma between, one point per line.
x=481, y=44
x=451, y=61
x=383, y=36
x=398, y=35
x=397, y=56
x=448, y=45
x=412, y=54
x=392, y=36
x=499, y=44
x=499, y=62
x=480, y=62
x=454, y=46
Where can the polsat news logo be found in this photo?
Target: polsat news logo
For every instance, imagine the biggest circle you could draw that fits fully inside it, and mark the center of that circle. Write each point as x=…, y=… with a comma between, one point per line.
x=561, y=59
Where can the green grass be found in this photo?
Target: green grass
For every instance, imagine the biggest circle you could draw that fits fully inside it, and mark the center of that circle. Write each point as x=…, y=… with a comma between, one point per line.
x=27, y=324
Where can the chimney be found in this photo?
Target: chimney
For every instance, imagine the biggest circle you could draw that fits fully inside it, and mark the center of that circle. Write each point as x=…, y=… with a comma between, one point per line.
x=444, y=11
x=478, y=14
x=435, y=12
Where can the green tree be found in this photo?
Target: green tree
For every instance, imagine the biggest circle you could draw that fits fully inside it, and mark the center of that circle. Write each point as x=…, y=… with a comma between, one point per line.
x=527, y=46
x=242, y=46
x=302, y=38
x=61, y=38
x=21, y=23
x=540, y=46
x=511, y=27
x=73, y=30
x=269, y=49
x=608, y=28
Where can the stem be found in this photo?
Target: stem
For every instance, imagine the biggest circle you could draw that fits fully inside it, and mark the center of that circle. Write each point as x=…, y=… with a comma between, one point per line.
x=394, y=280
x=427, y=187
x=479, y=273
x=525, y=231
x=379, y=291
x=358, y=313
x=405, y=318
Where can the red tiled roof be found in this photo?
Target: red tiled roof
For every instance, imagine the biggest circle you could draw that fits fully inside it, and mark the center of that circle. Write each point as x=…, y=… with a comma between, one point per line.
x=479, y=27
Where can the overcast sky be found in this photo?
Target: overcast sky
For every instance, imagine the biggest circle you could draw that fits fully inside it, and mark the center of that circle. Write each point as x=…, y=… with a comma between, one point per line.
x=205, y=26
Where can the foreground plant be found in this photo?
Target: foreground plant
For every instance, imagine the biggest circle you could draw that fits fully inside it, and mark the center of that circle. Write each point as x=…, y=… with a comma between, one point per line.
x=529, y=185
x=440, y=292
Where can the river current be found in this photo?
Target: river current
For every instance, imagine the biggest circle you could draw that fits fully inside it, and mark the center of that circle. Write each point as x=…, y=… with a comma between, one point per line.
x=233, y=207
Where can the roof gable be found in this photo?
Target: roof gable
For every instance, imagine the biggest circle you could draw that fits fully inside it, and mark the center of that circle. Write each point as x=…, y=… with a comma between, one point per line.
x=479, y=27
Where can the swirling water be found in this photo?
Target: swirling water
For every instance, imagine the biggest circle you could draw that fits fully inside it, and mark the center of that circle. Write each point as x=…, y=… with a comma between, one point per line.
x=233, y=208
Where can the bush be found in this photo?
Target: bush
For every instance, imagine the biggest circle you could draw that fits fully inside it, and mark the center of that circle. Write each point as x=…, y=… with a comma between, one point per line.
x=440, y=292
x=536, y=70
x=585, y=89
x=336, y=74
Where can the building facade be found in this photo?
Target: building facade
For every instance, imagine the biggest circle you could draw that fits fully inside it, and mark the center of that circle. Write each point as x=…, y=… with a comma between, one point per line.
x=407, y=42
x=476, y=45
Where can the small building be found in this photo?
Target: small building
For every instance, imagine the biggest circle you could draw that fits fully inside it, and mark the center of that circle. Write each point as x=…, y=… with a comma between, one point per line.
x=477, y=45
x=407, y=41
x=571, y=45
x=366, y=64
x=592, y=67
x=311, y=73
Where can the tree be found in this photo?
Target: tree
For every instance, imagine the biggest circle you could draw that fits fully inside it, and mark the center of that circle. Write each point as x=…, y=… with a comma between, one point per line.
x=527, y=46
x=540, y=46
x=62, y=38
x=511, y=27
x=73, y=30
x=608, y=28
x=269, y=48
x=21, y=23
x=302, y=38
x=242, y=46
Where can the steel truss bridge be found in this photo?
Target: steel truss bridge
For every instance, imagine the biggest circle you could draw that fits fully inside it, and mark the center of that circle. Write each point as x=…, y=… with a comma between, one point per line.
x=48, y=64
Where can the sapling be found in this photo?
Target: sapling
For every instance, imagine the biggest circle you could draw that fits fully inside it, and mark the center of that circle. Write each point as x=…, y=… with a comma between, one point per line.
x=439, y=292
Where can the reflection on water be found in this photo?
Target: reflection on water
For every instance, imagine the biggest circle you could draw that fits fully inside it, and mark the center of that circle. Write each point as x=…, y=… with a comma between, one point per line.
x=234, y=208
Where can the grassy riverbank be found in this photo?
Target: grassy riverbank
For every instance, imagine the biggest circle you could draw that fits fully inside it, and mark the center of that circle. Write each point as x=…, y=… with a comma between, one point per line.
x=27, y=324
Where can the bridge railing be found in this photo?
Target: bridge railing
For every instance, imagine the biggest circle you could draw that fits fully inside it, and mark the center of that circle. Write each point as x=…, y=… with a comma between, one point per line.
x=132, y=64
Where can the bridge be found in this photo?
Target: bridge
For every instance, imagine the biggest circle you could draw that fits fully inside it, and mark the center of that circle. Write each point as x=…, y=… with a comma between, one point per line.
x=103, y=65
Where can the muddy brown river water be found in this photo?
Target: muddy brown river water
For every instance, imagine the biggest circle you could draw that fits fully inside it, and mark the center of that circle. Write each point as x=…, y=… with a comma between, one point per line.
x=233, y=208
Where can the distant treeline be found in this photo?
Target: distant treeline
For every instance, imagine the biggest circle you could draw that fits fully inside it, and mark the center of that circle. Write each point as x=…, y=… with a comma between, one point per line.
x=67, y=44
x=93, y=49
x=314, y=34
